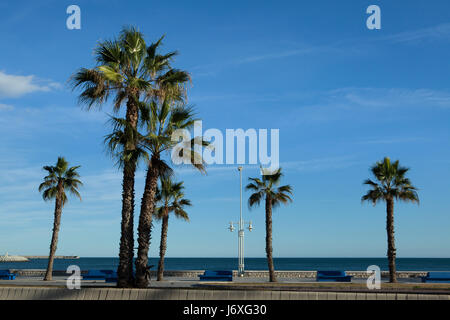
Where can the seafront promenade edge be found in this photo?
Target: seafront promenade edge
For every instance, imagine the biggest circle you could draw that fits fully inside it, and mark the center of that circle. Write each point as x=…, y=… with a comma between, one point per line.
x=35, y=293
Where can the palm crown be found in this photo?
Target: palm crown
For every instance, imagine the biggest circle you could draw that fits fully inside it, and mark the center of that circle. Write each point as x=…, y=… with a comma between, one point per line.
x=127, y=68
x=60, y=178
x=267, y=186
x=171, y=197
x=160, y=119
x=392, y=183
x=116, y=142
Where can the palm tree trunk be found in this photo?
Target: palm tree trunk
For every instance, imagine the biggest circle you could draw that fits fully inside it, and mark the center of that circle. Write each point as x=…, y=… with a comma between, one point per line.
x=125, y=268
x=163, y=245
x=391, y=253
x=272, y=277
x=145, y=222
x=54, y=242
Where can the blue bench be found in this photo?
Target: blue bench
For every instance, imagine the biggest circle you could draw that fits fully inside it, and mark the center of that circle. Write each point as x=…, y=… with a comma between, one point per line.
x=95, y=275
x=111, y=276
x=437, y=277
x=219, y=275
x=6, y=275
x=335, y=276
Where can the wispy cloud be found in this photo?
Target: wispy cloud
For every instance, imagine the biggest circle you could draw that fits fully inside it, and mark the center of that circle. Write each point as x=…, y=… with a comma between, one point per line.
x=5, y=107
x=309, y=165
x=350, y=102
x=218, y=199
x=392, y=140
x=23, y=203
x=277, y=55
x=28, y=121
x=439, y=32
x=213, y=68
x=14, y=86
x=392, y=97
x=344, y=46
x=321, y=164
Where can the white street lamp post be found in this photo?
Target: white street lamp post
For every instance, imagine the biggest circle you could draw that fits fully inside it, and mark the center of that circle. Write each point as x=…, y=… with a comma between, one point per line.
x=240, y=225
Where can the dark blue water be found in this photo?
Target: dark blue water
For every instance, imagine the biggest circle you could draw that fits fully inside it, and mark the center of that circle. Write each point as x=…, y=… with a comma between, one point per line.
x=403, y=264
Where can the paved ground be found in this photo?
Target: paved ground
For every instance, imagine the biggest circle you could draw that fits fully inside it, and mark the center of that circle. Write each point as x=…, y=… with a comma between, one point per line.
x=93, y=293
x=176, y=288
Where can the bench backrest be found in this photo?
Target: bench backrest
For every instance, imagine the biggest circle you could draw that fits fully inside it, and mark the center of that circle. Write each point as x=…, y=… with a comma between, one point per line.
x=332, y=273
x=438, y=275
x=218, y=273
x=108, y=271
x=99, y=273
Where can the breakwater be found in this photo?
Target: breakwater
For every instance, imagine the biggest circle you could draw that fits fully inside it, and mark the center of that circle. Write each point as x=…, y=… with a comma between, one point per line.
x=56, y=257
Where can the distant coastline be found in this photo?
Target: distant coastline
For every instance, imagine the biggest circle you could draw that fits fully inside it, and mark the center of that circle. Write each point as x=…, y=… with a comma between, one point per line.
x=56, y=257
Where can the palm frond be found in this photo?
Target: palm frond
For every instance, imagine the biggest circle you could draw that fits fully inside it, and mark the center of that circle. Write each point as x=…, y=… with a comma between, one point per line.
x=255, y=199
x=94, y=86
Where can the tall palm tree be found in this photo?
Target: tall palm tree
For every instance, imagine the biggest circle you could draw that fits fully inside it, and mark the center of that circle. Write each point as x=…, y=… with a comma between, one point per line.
x=162, y=117
x=171, y=198
x=266, y=189
x=60, y=179
x=160, y=120
x=392, y=185
x=129, y=70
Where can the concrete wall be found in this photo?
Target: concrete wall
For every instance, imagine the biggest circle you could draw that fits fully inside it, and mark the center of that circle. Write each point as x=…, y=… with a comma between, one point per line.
x=33, y=293
x=250, y=274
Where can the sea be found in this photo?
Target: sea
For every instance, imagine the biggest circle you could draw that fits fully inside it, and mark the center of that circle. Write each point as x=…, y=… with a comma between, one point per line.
x=294, y=264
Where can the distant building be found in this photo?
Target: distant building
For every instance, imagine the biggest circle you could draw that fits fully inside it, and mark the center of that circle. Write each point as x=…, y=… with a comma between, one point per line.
x=8, y=258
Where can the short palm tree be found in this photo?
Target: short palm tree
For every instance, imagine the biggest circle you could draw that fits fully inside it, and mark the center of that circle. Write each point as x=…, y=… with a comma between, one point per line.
x=60, y=179
x=171, y=197
x=266, y=189
x=128, y=70
x=391, y=185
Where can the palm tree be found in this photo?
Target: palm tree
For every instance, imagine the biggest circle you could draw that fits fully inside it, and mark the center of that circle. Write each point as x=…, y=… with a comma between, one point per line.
x=129, y=70
x=60, y=179
x=162, y=118
x=171, y=197
x=392, y=185
x=265, y=188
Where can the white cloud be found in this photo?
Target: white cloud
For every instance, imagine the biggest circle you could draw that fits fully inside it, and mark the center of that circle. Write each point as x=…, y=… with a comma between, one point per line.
x=13, y=86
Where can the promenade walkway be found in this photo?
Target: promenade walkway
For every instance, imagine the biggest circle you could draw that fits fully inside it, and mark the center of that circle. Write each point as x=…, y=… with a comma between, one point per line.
x=173, y=288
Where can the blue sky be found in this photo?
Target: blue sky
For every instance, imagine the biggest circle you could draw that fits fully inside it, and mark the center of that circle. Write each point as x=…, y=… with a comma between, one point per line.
x=342, y=96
